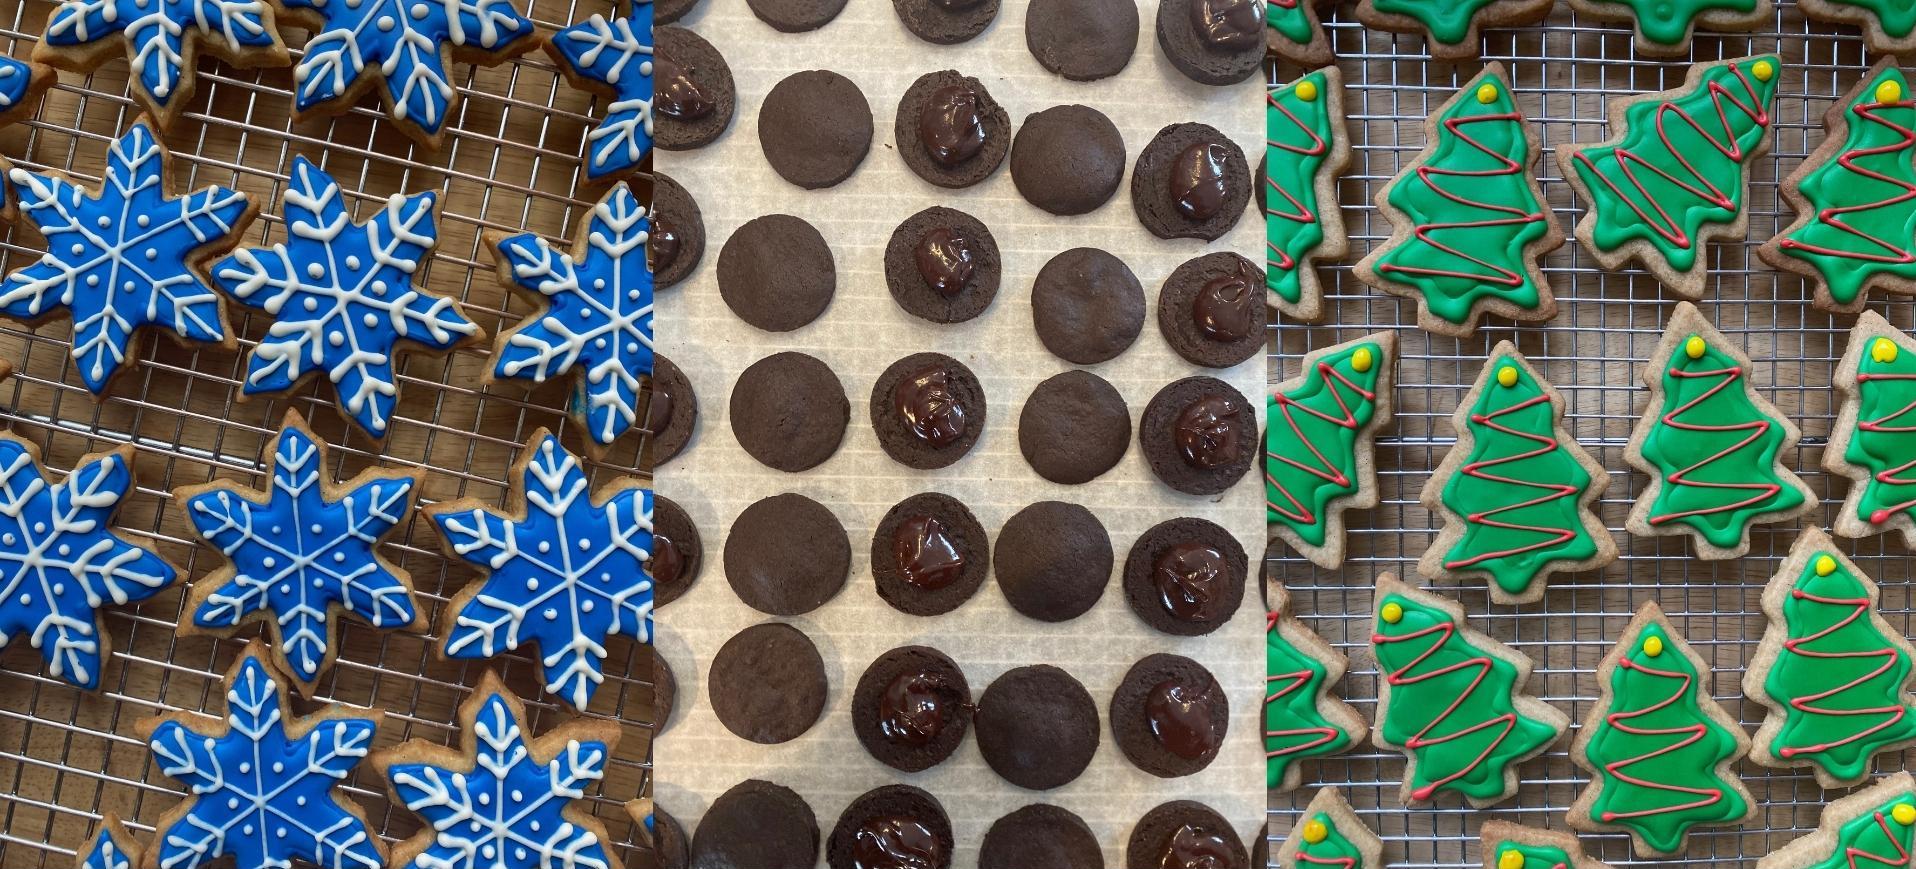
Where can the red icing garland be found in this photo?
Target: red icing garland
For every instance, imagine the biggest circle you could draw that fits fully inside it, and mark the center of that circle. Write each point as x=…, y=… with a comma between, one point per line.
x=1805, y=704
x=1300, y=512
x=1296, y=680
x=1834, y=216
x=1345, y=862
x=1425, y=231
x=1757, y=428
x=1851, y=852
x=1556, y=491
x=1508, y=720
x=1888, y=476
x=1710, y=796
x=1301, y=213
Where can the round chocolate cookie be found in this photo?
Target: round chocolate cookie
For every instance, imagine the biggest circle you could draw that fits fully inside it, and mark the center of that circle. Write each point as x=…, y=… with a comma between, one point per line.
x=891, y=827
x=1067, y=159
x=942, y=265
x=911, y=708
x=1182, y=835
x=787, y=555
x=759, y=825
x=1074, y=427
x=1190, y=182
x=665, y=691
x=927, y=410
x=949, y=130
x=677, y=242
x=1211, y=310
x=670, y=11
x=1087, y=305
x=1037, y=727
x=669, y=843
x=1261, y=853
x=1169, y=716
x=1212, y=41
x=1185, y=576
x=789, y=411
x=677, y=551
x=768, y=684
x=796, y=16
x=671, y=410
x=929, y=555
x=1199, y=434
x=1082, y=40
x=1040, y=835
x=946, y=22
x=777, y=273
x=815, y=126
x=1052, y=560
x=693, y=93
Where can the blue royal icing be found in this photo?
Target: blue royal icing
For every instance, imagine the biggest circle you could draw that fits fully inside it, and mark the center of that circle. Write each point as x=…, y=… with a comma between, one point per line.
x=615, y=53
x=566, y=576
x=256, y=792
x=60, y=563
x=119, y=259
x=298, y=557
x=342, y=296
x=156, y=34
x=16, y=78
x=403, y=42
x=598, y=314
x=112, y=848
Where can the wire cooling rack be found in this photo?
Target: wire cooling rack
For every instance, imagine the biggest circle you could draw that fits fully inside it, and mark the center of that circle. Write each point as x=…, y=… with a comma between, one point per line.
x=511, y=163
x=1564, y=72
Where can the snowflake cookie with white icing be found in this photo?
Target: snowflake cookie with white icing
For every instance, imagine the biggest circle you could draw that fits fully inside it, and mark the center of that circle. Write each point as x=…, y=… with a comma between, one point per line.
x=111, y=847
x=503, y=801
x=261, y=783
x=21, y=83
x=302, y=553
x=563, y=570
x=343, y=296
x=161, y=40
x=595, y=313
x=612, y=57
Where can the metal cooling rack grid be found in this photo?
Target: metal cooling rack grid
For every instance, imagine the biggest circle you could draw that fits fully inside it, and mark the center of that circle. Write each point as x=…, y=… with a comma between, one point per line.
x=510, y=164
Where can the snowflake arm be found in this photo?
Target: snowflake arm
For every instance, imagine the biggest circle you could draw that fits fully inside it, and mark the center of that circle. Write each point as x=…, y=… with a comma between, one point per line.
x=112, y=847
x=613, y=57
x=157, y=33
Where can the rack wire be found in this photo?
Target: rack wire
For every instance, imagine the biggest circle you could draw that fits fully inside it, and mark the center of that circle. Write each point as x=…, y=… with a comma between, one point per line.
x=511, y=163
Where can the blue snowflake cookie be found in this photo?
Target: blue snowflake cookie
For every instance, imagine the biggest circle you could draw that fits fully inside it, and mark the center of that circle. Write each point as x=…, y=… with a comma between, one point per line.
x=563, y=570
x=342, y=296
x=260, y=786
x=301, y=553
x=612, y=57
x=503, y=801
x=60, y=564
x=595, y=314
x=162, y=38
x=20, y=86
x=403, y=47
x=123, y=257
x=111, y=847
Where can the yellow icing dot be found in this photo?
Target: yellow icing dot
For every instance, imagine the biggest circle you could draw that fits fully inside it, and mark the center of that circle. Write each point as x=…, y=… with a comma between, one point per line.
x=1392, y=613
x=1763, y=70
x=1487, y=93
x=1889, y=92
x=1884, y=351
x=1825, y=565
x=1315, y=832
x=1507, y=376
x=1307, y=91
x=1511, y=859
x=1360, y=361
x=1904, y=813
x=1694, y=347
x=1653, y=646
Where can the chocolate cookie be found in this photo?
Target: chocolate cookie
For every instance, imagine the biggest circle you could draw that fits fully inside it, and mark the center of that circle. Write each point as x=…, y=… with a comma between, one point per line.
x=929, y=555
x=1087, y=305
x=1185, y=576
x=787, y=555
x=1074, y=427
x=1182, y=835
x=949, y=130
x=796, y=16
x=669, y=843
x=911, y=708
x=1190, y=182
x=1199, y=434
x=1082, y=40
x=757, y=824
x=946, y=22
x=665, y=691
x=1211, y=310
x=1037, y=727
x=891, y=827
x=1169, y=716
x=927, y=410
x=789, y=411
x=1052, y=561
x=677, y=240
x=1212, y=41
x=942, y=265
x=670, y=11
x=1067, y=159
x=815, y=126
x=693, y=94
x=677, y=552
x=1261, y=852
x=671, y=410
x=777, y=273
x=767, y=684
x=1040, y=835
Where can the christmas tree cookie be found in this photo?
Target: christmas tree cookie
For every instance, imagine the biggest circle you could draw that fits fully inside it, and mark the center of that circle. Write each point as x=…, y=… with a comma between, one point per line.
x=1450, y=27
x=1516, y=491
x=1318, y=460
x=1888, y=25
x=1873, y=828
x=1469, y=226
x=1712, y=446
x=1672, y=176
x=1665, y=27
x=1306, y=149
x=1660, y=751
x=1302, y=719
x=1874, y=442
x=1835, y=675
x=1452, y=700
x=1295, y=34
x=1512, y=846
x=1329, y=834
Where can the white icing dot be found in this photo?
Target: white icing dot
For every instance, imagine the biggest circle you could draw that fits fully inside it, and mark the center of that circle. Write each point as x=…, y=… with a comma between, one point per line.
x=232, y=802
x=488, y=852
x=279, y=767
x=8, y=538
x=552, y=615
x=535, y=826
x=39, y=527
x=420, y=11
x=245, y=767
x=599, y=342
x=66, y=549
x=59, y=588
x=385, y=23
x=25, y=599
x=285, y=588
x=92, y=280
x=336, y=338
x=128, y=286
x=104, y=221
x=585, y=606
x=315, y=270
x=370, y=319
x=598, y=283
x=299, y=801
x=269, y=561
x=476, y=827
x=545, y=546
x=485, y=799
x=78, y=248
x=152, y=253
x=632, y=347
x=247, y=829
x=585, y=544
x=633, y=295
x=311, y=304
x=518, y=796
x=352, y=262
x=144, y=220
x=532, y=585
x=339, y=556
x=519, y=853
x=318, y=582
x=281, y=832
x=379, y=288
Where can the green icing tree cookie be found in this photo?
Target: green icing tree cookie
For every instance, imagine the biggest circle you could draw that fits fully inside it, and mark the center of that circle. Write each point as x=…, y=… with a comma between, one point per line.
x=1330, y=836
x=1664, y=27
x=1294, y=32
x=1511, y=846
x=1888, y=25
x=1302, y=719
x=1874, y=828
x=1306, y=149
x=1450, y=27
x=1317, y=446
x=1874, y=442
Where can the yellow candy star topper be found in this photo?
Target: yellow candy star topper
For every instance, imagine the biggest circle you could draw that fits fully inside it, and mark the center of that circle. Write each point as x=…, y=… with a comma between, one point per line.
x=1825, y=565
x=1883, y=350
x=1307, y=91
x=1361, y=360
x=1507, y=376
x=1763, y=70
x=1903, y=813
x=1694, y=347
x=1315, y=832
x=1510, y=859
x=1487, y=93
x=1653, y=646
x=1889, y=92
x=1392, y=613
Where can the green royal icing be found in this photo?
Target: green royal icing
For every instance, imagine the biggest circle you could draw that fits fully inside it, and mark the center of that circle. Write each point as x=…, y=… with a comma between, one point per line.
x=1896, y=17
x=1520, y=491
x=1297, y=140
x=1864, y=199
x=1656, y=751
x=1686, y=160
x=1669, y=22
x=1872, y=839
x=1294, y=727
x=1885, y=440
x=1288, y=18
x=1310, y=448
x=1448, y=21
x=1534, y=856
x=1473, y=210
x=1336, y=850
